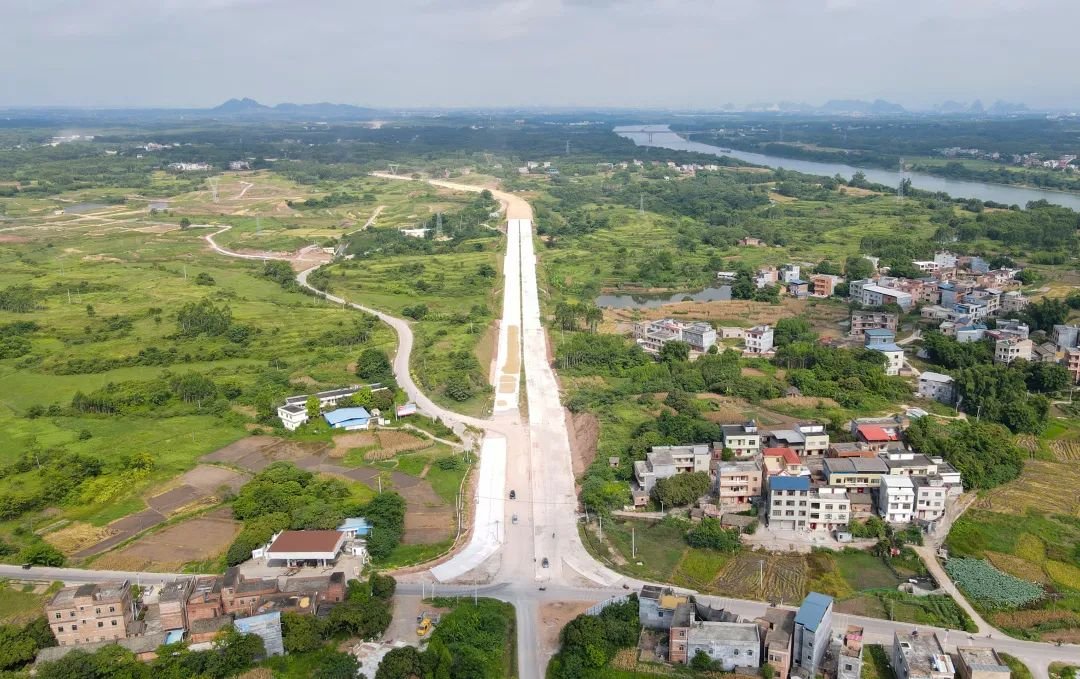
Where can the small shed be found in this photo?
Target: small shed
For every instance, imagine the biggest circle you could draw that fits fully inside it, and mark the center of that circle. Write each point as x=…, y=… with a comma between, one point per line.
x=349, y=418
x=792, y=392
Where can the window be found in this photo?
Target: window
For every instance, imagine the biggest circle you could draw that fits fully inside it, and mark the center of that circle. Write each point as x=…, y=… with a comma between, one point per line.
x=97, y=611
x=60, y=628
x=100, y=623
x=74, y=628
x=72, y=614
x=114, y=623
x=112, y=609
x=58, y=616
x=736, y=652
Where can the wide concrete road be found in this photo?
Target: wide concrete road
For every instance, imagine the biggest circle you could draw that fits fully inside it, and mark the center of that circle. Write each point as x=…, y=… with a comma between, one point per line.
x=79, y=576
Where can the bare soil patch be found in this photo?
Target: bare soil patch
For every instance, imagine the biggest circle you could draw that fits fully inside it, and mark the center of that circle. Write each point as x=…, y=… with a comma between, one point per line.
x=346, y=442
x=751, y=372
x=124, y=529
x=198, y=539
x=584, y=433
x=856, y=191
x=76, y=536
x=8, y=238
x=801, y=402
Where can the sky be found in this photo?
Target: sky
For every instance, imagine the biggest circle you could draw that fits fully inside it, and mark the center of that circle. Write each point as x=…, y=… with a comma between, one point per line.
x=502, y=53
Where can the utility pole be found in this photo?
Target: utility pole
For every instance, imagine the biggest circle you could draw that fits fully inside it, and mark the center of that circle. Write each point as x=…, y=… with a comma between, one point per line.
x=601, y=527
x=761, y=574
x=633, y=542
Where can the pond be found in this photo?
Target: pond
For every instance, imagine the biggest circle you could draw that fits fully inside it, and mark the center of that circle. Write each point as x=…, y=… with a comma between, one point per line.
x=654, y=301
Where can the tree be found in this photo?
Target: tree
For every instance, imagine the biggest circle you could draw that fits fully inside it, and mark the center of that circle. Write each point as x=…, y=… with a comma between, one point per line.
x=311, y=405
x=827, y=267
x=41, y=553
x=374, y=366
x=1045, y=313
x=710, y=534
x=674, y=352
x=594, y=316
x=566, y=315
x=336, y=665
x=19, y=645
x=401, y=663
x=1047, y=378
x=767, y=671
x=301, y=632
x=983, y=452
x=459, y=387
x=184, y=223
x=793, y=329
x=681, y=489
x=857, y=267
x=364, y=398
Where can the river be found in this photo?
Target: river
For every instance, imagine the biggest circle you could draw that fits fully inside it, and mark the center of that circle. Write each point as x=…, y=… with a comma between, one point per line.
x=663, y=137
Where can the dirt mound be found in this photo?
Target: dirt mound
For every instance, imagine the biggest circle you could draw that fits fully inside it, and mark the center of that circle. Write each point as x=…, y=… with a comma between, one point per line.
x=584, y=433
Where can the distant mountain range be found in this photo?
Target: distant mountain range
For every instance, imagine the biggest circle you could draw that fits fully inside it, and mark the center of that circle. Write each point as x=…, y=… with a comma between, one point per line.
x=880, y=107
x=249, y=107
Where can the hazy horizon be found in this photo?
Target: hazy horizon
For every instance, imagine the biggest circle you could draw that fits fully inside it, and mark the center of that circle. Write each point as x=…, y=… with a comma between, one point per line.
x=661, y=54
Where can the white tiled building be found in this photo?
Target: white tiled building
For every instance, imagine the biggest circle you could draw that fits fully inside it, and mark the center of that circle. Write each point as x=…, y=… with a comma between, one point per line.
x=896, y=501
x=936, y=386
x=759, y=340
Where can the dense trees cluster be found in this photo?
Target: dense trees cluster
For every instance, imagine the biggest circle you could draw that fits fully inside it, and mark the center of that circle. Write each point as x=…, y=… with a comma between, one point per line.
x=18, y=298
x=19, y=644
x=983, y=452
x=852, y=377
x=471, y=642
x=282, y=496
x=999, y=393
x=682, y=489
x=365, y=613
x=232, y=654
x=588, y=642
x=709, y=534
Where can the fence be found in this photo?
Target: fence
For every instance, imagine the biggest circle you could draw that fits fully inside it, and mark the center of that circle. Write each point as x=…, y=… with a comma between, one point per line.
x=596, y=608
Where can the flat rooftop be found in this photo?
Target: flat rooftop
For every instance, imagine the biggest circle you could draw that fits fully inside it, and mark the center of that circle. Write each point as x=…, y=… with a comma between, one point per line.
x=725, y=633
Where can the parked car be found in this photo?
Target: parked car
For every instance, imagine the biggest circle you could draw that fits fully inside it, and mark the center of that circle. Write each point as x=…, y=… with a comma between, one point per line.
x=513, y=494
x=544, y=563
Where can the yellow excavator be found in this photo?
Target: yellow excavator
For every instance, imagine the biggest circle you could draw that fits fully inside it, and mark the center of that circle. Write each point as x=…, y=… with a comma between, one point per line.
x=423, y=628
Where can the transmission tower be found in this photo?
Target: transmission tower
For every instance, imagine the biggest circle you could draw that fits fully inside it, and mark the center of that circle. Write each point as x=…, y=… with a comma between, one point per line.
x=393, y=168
x=438, y=226
x=213, y=181
x=900, y=186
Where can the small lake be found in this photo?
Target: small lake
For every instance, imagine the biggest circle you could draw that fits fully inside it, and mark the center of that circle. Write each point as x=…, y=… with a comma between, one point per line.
x=654, y=301
x=79, y=208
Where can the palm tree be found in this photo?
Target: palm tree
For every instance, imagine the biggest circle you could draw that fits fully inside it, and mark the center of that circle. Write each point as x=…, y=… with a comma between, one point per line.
x=594, y=316
x=566, y=316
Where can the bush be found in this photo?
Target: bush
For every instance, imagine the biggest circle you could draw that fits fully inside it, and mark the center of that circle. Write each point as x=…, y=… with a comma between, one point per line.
x=710, y=534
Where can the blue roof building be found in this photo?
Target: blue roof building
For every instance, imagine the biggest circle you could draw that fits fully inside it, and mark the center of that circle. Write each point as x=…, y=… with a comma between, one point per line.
x=789, y=483
x=813, y=629
x=355, y=527
x=267, y=626
x=348, y=418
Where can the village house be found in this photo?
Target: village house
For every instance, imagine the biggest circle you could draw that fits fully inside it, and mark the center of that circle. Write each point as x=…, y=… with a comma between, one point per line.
x=750, y=241
x=824, y=285
x=1010, y=349
x=868, y=293
x=981, y=663
x=806, y=439
x=738, y=484
x=744, y=440
x=856, y=474
x=877, y=436
x=847, y=654
x=663, y=462
x=936, y=386
x=795, y=505
x=896, y=500
x=920, y=656
x=92, y=612
x=782, y=462
x=293, y=412
x=766, y=276
x=653, y=335
x=349, y=419
x=1072, y=364
x=861, y=321
x=777, y=626
x=758, y=340
x=813, y=628
x=894, y=356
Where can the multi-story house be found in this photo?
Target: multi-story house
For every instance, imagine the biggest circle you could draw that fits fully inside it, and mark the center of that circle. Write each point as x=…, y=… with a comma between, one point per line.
x=653, y=335
x=1013, y=301
x=861, y=321
x=868, y=293
x=1010, y=349
x=875, y=336
x=931, y=496
x=981, y=663
x=758, y=340
x=847, y=654
x=936, y=387
x=854, y=474
x=1072, y=363
x=782, y=462
x=663, y=462
x=806, y=439
x=92, y=612
x=896, y=499
x=1066, y=336
x=920, y=656
x=778, y=626
x=794, y=505
x=766, y=276
x=744, y=440
x=738, y=483
x=657, y=605
x=789, y=273
x=894, y=357
x=813, y=627
x=824, y=285
x=973, y=332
